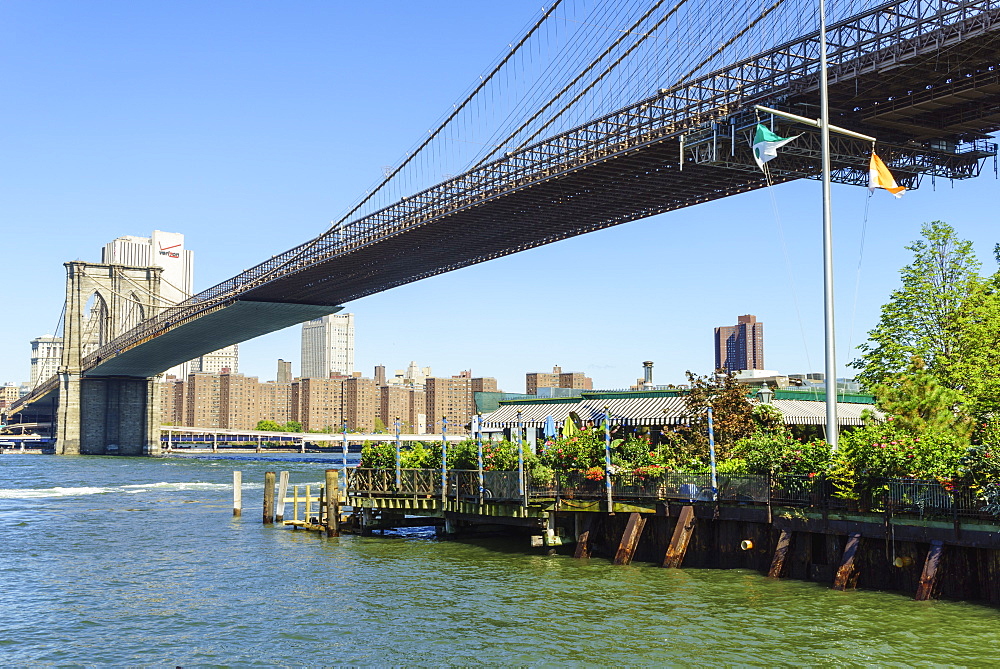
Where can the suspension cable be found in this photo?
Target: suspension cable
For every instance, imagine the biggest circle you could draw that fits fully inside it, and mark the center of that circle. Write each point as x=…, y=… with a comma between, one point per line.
x=454, y=113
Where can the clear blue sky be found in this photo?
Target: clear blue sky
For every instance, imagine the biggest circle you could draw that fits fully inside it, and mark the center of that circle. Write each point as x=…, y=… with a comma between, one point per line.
x=249, y=125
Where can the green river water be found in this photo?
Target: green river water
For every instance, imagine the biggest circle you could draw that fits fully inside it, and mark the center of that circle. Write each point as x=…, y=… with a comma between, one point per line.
x=129, y=561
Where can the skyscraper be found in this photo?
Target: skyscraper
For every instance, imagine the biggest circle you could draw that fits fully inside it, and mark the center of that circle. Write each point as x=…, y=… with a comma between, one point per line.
x=284, y=371
x=166, y=250
x=46, y=356
x=740, y=346
x=328, y=346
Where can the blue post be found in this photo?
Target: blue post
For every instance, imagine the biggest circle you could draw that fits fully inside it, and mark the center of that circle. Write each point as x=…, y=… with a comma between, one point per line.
x=521, y=488
x=711, y=456
x=345, y=450
x=479, y=459
x=607, y=458
x=399, y=470
x=444, y=459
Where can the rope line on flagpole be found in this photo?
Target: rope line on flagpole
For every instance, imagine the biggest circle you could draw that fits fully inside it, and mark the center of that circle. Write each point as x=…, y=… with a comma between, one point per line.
x=857, y=278
x=788, y=263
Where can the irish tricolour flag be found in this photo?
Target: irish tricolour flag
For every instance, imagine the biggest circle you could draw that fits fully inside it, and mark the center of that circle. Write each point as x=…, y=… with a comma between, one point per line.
x=879, y=176
x=766, y=145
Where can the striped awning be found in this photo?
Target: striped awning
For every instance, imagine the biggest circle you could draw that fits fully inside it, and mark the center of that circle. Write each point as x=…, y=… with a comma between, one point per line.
x=532, y=415
x=635, y=411
x=660, y=411
x=805, y=412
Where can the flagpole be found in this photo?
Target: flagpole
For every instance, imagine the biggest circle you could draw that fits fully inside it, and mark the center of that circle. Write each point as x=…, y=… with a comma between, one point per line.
x=830, y=345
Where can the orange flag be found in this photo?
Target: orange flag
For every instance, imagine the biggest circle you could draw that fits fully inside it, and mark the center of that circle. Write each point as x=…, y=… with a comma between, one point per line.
x=879, y=176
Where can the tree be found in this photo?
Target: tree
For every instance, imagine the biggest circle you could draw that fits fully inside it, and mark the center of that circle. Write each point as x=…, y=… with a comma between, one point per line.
x=733, y=414
x=919, y=404
x=379, y=426
x=293, y=426
x=945, y=313
x=269, y=426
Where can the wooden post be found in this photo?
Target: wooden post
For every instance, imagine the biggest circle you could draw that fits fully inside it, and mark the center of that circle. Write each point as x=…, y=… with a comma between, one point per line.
x=237, y=493
x=630, y=539
x=583, y=537
x=780, y=553
x=282, y=492
x=268, y=498
x=682, y=536
x=928, y=578
x=847, y=575
x=332, y=503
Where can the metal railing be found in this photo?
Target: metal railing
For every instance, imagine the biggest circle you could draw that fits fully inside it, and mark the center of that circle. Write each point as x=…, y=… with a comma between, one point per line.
x=927, y=499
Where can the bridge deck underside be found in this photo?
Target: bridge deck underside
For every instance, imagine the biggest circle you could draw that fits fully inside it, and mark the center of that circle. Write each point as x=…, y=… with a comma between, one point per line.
x=227, y=325
x=616, y=191
x=650, y=181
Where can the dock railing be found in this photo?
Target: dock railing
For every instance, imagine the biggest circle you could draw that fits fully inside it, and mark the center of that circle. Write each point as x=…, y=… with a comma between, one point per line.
x=930, y=499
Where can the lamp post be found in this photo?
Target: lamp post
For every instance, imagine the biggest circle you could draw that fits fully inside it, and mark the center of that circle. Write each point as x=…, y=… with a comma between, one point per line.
x=711, y=456
x=444, y=461
x=399, y=470
x=607, y=458
x=479, y=454
x=765, y=394
x=521, y=488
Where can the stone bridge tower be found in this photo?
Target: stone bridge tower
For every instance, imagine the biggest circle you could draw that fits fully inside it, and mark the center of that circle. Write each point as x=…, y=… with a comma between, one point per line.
x=106, y=415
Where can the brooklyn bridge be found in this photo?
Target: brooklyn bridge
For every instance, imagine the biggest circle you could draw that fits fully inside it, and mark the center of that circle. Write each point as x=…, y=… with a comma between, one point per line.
x=921, y=76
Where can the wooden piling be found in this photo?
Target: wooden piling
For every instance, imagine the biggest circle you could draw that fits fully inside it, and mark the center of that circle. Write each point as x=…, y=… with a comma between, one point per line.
x=780, y=553
x=583, y=536
x=282, y=492
x=237, y=493
x=630, y=539
x=928, y=578
x=332, y=503
x=680, y=539
x=847, y=575
x=268, y=498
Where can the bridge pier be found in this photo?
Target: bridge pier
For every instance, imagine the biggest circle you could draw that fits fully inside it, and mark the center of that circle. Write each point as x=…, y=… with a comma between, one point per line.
x=108, y=416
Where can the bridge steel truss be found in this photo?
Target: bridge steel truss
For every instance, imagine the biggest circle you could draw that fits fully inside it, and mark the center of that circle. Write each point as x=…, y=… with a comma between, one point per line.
x=920, y=74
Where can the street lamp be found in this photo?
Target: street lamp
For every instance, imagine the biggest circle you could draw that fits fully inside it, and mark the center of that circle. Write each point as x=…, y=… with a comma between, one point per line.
x=765, y=394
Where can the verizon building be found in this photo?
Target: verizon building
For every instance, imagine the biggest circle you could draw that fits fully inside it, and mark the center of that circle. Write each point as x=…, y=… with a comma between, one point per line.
x=163, y=249
x=166, y=250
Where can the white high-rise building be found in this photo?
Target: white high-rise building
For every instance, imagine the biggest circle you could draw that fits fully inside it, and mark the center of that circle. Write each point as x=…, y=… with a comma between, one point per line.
x=163, y=249
x=166, y=250
x=216, y=361
x=46, y=356
x=328, y=346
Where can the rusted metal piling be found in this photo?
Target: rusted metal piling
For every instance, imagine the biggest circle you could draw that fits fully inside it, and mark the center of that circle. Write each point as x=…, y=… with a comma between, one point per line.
x=681, y=537
x=630, y=539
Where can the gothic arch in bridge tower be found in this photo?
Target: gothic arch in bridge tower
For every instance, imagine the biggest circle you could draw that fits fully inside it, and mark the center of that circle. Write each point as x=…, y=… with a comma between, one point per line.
x=105, y=415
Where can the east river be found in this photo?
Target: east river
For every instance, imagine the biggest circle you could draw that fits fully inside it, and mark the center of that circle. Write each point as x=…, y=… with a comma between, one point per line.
x=128, y=561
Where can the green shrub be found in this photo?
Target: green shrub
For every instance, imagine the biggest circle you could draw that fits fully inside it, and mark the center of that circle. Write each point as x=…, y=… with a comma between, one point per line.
x=885, y=450
x=778, y=453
